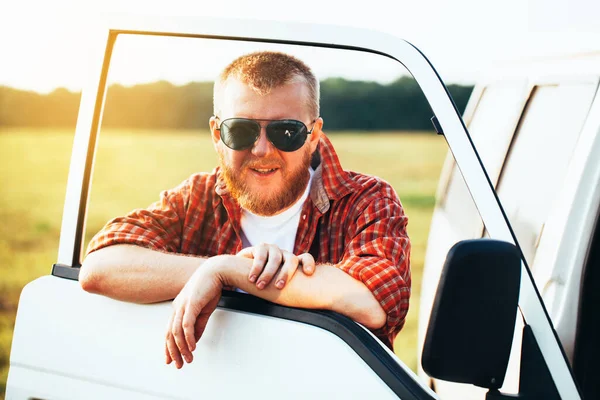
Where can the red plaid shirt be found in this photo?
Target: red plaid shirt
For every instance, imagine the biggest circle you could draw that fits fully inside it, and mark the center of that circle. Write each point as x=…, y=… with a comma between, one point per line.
x=360, y=222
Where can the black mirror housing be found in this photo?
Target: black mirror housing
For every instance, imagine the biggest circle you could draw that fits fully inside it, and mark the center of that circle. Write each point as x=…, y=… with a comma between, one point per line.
x=472, y=322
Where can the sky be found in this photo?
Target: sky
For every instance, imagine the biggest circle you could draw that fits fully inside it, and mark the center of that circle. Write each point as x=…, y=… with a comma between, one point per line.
x=42, y=43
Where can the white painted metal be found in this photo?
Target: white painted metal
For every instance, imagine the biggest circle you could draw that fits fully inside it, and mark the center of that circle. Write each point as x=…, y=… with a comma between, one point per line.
x=81, y=153
x=85, y=353
x=560, y=257
x=450, y=225
x=408, y=371
x=434, y=91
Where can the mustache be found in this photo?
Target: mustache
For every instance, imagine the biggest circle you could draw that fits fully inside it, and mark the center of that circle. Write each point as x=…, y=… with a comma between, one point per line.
x=259, y=163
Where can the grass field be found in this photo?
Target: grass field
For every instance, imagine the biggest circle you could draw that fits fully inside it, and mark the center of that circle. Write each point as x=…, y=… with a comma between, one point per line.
x=131, y=169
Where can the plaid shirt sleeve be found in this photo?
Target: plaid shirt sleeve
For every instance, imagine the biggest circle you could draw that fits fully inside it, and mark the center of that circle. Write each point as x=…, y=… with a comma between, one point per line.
x=378, y=254
x=159, y=227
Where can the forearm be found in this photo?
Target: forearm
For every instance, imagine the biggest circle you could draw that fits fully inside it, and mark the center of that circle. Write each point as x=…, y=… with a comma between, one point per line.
x=328, y=288
x=136, y=274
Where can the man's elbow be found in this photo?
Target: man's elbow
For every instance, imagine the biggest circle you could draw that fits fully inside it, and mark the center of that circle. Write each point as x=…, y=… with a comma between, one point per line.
x=90, y=276
x=375, y=317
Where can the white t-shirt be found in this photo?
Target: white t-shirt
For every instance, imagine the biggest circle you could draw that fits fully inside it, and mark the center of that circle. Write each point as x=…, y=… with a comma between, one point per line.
x=279, y=229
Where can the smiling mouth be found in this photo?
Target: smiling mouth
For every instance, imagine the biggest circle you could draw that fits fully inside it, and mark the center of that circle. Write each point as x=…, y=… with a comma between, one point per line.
x=264, y=171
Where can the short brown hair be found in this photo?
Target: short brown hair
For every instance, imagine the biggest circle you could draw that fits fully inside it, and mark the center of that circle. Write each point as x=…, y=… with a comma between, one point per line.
x=265, y=70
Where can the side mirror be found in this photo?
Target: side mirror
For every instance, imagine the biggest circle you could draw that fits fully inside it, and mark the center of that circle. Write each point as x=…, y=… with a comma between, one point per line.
x=472, y=322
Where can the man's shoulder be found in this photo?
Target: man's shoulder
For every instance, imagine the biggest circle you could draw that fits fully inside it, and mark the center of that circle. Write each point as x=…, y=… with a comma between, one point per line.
x=198, y=184
x=371, y=185
x=369, y=191
x=203, y=179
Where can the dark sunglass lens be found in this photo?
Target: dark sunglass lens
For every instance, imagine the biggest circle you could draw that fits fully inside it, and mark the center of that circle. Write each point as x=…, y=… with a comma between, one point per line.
x=287, y=135
x=239, y=134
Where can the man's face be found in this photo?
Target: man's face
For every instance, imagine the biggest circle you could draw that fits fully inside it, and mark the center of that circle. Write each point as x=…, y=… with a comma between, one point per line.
x=263, y=179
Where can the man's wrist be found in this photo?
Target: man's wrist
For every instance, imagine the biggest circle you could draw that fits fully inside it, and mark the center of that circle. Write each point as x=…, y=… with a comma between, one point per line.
x=223, y=268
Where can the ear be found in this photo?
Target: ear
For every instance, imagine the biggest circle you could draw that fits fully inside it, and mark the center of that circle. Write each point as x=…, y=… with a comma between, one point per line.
x=315, y=136
x=213, y=123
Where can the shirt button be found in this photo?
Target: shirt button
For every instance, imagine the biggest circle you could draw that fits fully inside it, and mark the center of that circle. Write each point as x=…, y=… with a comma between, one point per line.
x=304, y=216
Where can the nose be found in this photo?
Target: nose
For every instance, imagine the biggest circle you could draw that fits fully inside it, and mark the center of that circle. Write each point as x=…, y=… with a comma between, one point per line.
x=262, y=147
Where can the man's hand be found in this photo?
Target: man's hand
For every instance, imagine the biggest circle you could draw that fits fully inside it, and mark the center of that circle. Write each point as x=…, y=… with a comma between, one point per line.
x=191, y=310
x=328, y=289
x=270, y=261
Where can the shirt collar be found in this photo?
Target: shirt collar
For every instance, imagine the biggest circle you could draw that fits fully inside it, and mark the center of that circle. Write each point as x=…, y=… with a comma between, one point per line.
x=330, y=181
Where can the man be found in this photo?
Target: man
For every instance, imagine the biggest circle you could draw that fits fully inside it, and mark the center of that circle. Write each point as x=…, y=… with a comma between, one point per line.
x=279, y=201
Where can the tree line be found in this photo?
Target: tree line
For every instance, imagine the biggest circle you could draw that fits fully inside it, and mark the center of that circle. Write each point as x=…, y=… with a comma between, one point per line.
x=345, y=105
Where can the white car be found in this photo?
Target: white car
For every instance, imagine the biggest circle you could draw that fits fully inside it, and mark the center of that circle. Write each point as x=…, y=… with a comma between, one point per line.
x=536, y=126
x=69, y=344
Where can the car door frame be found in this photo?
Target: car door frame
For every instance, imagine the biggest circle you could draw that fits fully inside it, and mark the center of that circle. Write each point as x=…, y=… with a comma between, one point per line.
x=436, y=93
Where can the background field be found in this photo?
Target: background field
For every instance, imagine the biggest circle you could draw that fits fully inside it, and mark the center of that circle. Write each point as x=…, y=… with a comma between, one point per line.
x=133, y=166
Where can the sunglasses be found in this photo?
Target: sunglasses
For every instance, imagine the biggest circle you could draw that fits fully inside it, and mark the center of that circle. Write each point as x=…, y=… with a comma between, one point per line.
x=285, y=134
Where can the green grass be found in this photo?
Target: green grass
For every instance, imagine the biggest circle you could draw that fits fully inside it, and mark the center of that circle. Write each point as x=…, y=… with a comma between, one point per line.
x=132, y=168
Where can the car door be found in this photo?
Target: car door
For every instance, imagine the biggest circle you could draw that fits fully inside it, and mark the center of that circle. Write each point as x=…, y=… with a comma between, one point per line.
x=70, y=344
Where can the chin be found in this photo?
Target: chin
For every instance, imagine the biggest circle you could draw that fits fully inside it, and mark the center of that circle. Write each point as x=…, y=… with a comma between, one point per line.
x=257, y=189
x=265, y=206
x=265, y=197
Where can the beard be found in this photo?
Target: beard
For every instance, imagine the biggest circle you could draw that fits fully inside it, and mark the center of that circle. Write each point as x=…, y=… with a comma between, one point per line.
x=263, y=202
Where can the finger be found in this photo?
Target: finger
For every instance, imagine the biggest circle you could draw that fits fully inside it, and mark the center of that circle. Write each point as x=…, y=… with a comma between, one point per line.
x=168, y=358
x=248, y=252
x=271, y=267
x=203, y=317
x=260, y=255
x=177, y=331
x=287, y=270
x=308, y=263
x=172, y=347
x=188, y=322
x=174, y=352
x=201, y=325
